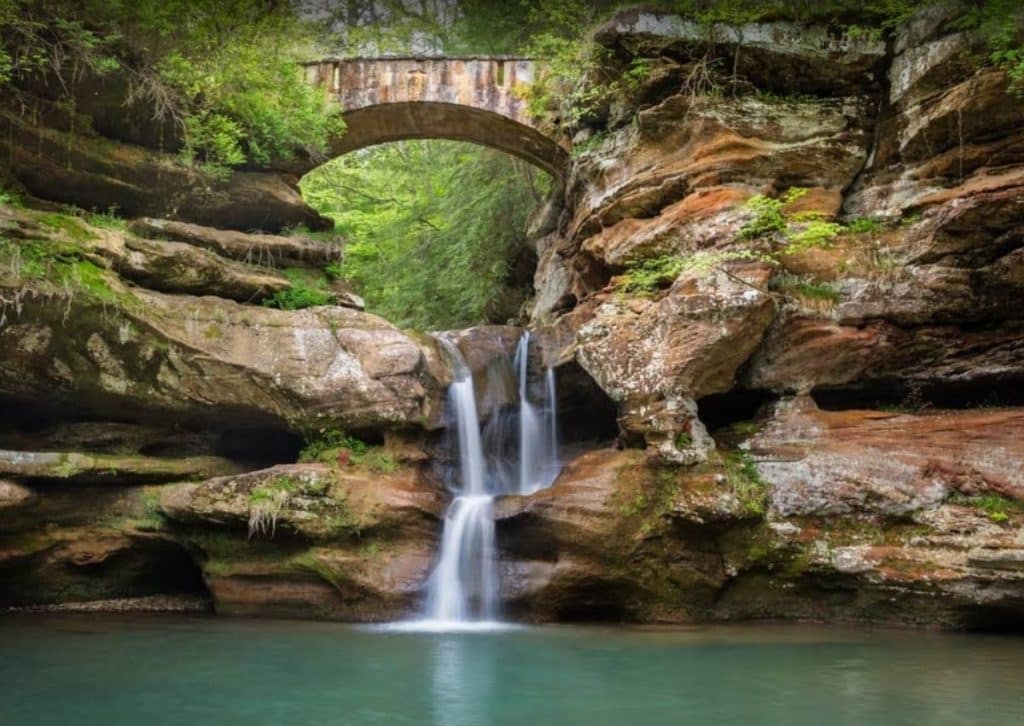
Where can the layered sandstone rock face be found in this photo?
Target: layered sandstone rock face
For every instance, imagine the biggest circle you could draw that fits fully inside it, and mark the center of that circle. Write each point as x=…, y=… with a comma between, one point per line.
x=845, y=515
x=147, y=396
x=900, y=498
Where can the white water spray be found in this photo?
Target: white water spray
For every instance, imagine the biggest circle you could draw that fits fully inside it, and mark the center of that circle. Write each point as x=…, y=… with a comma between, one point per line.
x=463, y=589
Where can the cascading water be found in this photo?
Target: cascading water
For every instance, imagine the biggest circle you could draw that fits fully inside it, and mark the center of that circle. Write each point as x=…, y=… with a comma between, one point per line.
x=538, y=439
x=517, y=453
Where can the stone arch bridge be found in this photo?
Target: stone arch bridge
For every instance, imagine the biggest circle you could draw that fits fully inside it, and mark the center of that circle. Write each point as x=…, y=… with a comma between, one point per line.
x=476, y=99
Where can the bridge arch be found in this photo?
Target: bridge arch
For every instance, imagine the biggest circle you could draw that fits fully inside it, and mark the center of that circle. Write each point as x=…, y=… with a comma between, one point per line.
x=475, y=99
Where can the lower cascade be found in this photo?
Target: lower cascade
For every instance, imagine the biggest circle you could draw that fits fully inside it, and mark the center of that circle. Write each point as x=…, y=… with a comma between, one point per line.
x=517, y=453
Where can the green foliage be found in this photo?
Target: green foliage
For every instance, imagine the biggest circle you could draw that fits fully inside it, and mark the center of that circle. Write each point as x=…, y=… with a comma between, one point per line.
x=812, y=233
x=746, y=481
x=997, y=507
x=107, y=220
x=224, y=73
x=637, y=73
x=864, y=225
x=683, y=440
x=327, y=443
x=648, y=276
x=434, y=229
x=266, y=502
x=1000, y=25
x=798, y=231
x=814, y=291
x=653, y=274
x=383, y=463
x=271, y=490
x=9, y=197
x=768, y=217
x=60, y=264
x=303, y=293
x=69, y=225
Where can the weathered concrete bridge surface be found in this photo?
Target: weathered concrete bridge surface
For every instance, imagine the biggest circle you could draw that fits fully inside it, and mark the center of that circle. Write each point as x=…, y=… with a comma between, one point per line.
x=477, y=99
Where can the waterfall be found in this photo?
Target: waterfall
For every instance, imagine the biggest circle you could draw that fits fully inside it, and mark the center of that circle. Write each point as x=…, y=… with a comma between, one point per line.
x=538, y=437
x=516, y=453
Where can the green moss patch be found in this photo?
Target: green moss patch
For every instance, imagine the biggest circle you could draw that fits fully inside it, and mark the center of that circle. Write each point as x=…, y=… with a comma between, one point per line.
x=998, y=508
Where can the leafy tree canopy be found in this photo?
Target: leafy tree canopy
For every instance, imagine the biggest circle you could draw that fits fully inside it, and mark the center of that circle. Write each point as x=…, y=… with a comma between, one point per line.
x=224, y=72
x=434, y=228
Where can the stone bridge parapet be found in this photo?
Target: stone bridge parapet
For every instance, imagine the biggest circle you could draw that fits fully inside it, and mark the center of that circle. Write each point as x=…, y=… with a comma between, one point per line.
x=478, y=99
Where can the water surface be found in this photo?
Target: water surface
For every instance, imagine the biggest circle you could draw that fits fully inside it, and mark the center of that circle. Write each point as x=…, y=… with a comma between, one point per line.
x=158, y=671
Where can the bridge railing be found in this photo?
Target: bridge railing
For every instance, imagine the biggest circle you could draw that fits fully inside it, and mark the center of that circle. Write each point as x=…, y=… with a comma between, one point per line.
x=329, y=71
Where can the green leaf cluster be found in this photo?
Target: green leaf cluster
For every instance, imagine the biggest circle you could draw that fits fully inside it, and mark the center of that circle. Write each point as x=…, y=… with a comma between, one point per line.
x=434, y=228
x=996, y=506
x=224, y=74
x=305, y=292
x=644, y=277
x=330, y=441
x=325, y=448
x=798, y=231
x=1000, y=25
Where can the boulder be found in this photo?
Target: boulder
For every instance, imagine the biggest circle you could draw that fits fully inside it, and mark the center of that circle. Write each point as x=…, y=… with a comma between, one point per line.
x=619, y=537
x=343, y=542
x=107, y=349
x=157, y=265
x=655, y=357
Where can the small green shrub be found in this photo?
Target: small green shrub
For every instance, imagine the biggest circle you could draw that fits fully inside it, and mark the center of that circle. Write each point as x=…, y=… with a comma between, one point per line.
x=750, y=488
x=305, y=292
x=997, y=507
x=683, y=440
x=335, y=271
x=298, y=297
x=864, y=225
x=812, y=233
x=637, y=73
x=107, y=220
x=383, y=463
x=325, y=447
x=768, y=216
x=814, y=291
x=648, y=276
x=9, y=197
x=654, y=274
x=767, y=219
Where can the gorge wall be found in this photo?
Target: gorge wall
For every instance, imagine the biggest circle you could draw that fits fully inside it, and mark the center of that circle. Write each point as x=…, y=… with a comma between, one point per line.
x=817, y=421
